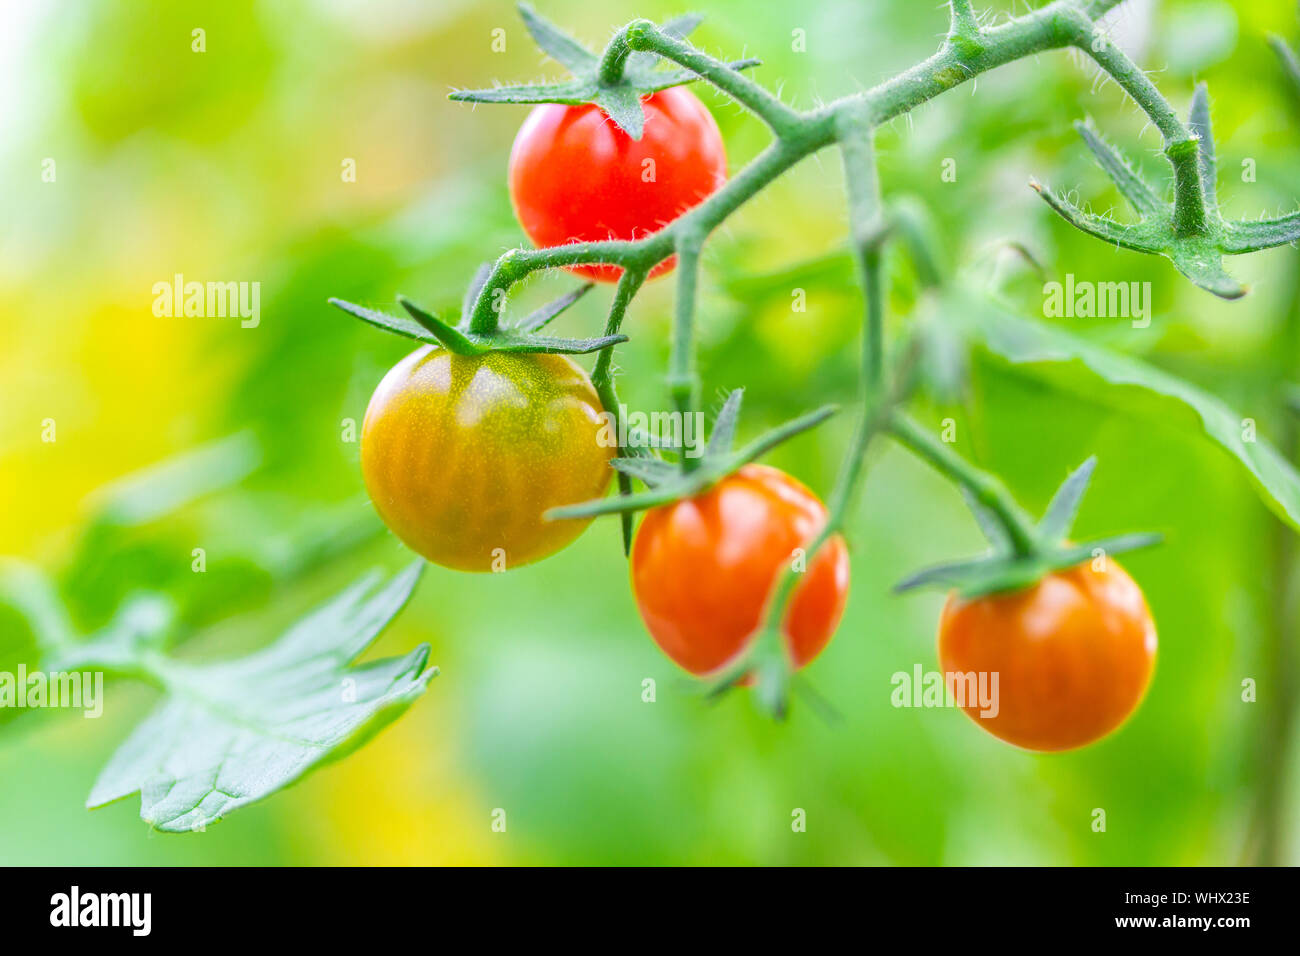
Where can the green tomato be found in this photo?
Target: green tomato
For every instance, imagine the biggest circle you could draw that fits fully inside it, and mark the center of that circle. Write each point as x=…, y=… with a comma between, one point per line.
x=463, y=455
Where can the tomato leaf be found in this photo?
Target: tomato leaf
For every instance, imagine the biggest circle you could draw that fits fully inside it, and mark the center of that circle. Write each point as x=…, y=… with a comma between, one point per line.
x=233, y=732
x=1071, y=362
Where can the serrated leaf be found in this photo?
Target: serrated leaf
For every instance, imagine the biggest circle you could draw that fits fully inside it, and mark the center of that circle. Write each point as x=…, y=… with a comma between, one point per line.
x=1068, y=361
x=233, y=732
x=557, y=44
x=723, y=435
x=1064, y=507
x=622, y=104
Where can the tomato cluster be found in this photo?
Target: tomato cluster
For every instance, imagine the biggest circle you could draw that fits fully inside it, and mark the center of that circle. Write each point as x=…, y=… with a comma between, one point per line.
x=463, y=455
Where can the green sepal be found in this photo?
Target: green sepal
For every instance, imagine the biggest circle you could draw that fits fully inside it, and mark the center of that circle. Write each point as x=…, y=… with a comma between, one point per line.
x=641, y=75
x=424, y=326
x=667, y=481
x=999, y=573
x=1003, y=569
x=1190, y=232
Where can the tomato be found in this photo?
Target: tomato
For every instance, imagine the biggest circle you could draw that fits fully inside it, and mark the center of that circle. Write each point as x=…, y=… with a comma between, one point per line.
x=462, y=455
x=703, y=568
x=1073, y=655
x=577, y=177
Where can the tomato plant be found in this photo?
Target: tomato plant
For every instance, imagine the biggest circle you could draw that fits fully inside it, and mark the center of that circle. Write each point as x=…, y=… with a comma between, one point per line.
x=445, y=433
x=577, y=177
x=703, y=569
x=1074, y=654
x=484, y=445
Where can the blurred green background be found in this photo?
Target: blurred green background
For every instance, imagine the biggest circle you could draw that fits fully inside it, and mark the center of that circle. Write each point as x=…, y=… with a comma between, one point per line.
x=226, y=165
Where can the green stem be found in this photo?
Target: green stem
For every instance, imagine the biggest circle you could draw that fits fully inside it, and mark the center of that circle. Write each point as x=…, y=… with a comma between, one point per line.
x=683, y=383
x=602, y=378
x=985, y=488
x=612, y=62
x=962, y=23
x=767, y=657
x=1181, y=147
x=644, y=35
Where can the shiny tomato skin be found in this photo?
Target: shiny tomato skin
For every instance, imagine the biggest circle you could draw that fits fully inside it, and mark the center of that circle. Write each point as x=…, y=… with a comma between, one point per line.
x=704, y=567
x=462, y=455
x=1074, y=655
x=575, y=176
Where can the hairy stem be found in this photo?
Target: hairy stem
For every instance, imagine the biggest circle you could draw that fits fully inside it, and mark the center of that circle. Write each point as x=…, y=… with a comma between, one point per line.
x=985, y=488
x=644, y=35
x=683, y=384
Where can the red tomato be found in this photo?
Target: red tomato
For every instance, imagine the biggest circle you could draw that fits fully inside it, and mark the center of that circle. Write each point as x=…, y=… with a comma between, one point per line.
x=703, y=568
x=577, y=177
x=1073, y=655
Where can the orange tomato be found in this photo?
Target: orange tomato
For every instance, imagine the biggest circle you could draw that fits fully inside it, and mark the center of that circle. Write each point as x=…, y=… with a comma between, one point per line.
x=1073, y=654
x=463, y=455
x=704, y=567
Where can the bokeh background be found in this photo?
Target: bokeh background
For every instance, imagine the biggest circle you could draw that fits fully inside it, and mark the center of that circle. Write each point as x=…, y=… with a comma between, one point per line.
x=226, y=165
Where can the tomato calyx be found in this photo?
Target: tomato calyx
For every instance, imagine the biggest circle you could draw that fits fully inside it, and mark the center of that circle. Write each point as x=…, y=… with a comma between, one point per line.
x=462, y=339
x=667, y=481
x=1015, y=565
x=616, y=81
x=1191, y=232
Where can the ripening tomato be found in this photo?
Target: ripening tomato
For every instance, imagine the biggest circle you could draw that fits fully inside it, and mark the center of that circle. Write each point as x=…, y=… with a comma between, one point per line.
x=575, y=176
x=1073, y=654
x=704, y=567
x=463, y=455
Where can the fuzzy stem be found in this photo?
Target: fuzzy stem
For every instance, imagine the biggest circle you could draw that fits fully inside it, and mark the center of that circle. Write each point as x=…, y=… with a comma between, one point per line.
x=614, y=59
x=644, y=35
x=602, y=378
x=985, y=488
x=682, y=381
